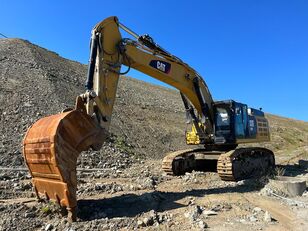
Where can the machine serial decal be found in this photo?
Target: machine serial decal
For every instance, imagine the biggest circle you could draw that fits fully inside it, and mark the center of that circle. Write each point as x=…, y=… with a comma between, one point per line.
x=161, y=65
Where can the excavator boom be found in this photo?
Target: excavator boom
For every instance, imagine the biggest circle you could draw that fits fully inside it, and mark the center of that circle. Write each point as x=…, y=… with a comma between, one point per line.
x=109, y=51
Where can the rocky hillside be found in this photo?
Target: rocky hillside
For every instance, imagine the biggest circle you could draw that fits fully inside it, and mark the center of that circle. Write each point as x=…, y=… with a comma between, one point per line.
x=148, y=120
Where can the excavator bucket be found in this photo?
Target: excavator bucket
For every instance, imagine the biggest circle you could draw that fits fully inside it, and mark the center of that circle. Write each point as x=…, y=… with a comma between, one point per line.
x=51, y=147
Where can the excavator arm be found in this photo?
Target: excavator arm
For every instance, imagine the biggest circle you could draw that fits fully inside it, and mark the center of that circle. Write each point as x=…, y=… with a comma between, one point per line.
x=52, y=144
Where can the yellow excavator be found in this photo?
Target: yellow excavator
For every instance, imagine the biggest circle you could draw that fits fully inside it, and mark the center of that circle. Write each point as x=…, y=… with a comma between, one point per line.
x=52, y=144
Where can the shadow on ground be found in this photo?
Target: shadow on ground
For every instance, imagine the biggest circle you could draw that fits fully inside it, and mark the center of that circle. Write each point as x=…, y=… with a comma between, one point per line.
x=130, y=205
x=292, y=169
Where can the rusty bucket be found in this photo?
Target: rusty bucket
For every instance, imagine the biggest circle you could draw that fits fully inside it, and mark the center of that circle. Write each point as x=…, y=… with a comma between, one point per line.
x=51, y=147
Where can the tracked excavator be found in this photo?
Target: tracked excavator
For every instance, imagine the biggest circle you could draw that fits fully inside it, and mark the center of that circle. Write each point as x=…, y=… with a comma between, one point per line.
x=52, y=144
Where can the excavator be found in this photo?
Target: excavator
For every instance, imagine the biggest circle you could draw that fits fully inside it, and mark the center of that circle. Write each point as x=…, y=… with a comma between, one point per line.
x=52, y=144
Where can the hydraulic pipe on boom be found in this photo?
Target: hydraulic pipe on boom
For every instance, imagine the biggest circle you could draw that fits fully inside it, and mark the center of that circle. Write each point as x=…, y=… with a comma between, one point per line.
x=91, y=66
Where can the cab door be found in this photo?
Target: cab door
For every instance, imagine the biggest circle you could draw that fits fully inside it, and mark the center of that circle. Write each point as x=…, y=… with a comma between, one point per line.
x=241, y=119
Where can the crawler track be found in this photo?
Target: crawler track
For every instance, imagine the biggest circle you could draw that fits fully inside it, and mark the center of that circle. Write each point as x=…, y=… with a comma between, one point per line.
x=244, y=163
x=179, y=162
x=235, y=165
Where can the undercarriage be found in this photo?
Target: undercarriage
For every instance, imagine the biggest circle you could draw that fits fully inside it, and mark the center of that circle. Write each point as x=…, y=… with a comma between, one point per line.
x=235, y=165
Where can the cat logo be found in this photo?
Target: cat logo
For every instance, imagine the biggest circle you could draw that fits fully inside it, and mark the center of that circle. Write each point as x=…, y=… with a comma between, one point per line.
x=161, y=66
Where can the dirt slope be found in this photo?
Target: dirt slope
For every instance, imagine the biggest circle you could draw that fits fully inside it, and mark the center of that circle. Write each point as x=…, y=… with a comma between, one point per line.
x=36, y=82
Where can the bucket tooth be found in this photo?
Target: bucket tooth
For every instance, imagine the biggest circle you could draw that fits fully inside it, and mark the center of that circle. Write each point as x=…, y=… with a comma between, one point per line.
x=51, y=148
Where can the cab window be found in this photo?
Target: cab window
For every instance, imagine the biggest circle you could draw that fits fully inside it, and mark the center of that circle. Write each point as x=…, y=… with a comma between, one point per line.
x=222, y=117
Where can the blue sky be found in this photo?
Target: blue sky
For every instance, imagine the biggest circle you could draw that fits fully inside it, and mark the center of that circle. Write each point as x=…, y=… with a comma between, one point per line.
x=252, y=51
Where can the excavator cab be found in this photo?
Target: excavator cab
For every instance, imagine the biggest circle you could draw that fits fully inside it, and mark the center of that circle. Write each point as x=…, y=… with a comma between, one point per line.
x=236, y=123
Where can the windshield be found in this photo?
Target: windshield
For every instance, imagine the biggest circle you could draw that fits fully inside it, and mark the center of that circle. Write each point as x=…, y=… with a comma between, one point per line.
x=222, y=117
